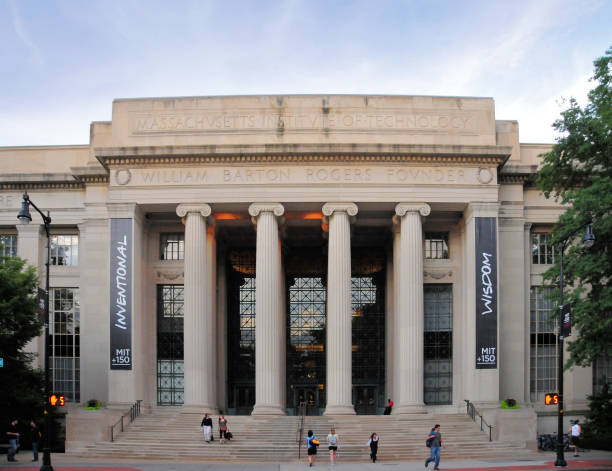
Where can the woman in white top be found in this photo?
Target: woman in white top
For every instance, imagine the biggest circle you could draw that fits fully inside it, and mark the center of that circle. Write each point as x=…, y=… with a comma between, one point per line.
x=332, y=441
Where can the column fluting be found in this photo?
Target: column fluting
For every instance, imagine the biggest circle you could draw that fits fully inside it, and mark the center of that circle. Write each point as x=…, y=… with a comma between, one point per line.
x=269, y=315
x=339, y=312
x=409, y=315
x=199, y=324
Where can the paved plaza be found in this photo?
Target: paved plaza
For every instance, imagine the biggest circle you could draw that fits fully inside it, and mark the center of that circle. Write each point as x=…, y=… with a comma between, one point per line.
x=590, y=460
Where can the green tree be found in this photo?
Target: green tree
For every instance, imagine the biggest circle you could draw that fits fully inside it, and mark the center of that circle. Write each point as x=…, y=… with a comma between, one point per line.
x=578, y=172
x=21, y=386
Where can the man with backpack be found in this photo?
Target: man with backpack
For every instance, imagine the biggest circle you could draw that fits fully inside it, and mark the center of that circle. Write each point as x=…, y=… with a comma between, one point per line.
x=434, y=442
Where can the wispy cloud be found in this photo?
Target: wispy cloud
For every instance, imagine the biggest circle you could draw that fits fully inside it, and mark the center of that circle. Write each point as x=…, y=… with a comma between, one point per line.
x=35, y=55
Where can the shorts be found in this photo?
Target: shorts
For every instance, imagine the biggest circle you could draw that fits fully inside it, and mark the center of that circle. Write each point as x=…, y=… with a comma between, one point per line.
x=333, y=447
x=574, y=440
x=312, y=450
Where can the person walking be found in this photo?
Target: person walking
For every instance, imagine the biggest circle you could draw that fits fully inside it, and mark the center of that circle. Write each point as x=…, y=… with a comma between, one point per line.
x=332, y=441
x=35, y=438
x=389, y=407
x=373, y=444
x=222, y=429
x=312, y=443
x=207, y=427
x=574, y=432
x=436, y=442
x=12, y=435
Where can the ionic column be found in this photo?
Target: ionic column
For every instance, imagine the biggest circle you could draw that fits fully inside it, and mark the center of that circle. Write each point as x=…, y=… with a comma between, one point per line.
x=269, y=314
x=339, y=313
x=409, y=313
x=199, y=323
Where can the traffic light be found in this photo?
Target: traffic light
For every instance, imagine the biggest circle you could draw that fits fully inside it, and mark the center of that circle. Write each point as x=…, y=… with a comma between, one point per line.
x=551, y=399
x=57, y=400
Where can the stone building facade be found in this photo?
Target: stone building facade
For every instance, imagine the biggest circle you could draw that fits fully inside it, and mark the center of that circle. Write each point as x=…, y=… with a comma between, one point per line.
x=252, y=253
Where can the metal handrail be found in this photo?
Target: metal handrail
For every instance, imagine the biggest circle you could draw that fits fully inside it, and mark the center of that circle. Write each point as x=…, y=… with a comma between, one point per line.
x=132, y=414
x=472, y=412
x=300, y=430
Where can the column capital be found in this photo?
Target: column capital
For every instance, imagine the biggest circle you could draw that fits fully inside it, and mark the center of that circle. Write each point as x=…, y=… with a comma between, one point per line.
x=183, y=209
x=401, y=209
x=349, y=208
x=256, y=209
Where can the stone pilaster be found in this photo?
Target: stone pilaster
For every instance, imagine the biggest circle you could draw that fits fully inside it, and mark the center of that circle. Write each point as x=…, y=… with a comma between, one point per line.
x=339, y=313
x=199, y=324
x=269, y=314
x=409, y=309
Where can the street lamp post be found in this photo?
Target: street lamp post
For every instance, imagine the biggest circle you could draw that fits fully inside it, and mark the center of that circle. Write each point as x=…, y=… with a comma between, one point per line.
x=25, y=218
x=589, y=240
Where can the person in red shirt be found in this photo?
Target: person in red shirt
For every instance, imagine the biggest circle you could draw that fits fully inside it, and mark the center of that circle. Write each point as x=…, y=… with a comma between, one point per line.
x=389, y=407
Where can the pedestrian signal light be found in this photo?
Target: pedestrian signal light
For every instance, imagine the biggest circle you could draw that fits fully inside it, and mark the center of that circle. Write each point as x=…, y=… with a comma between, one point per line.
x=57, y=400
x=551, y=399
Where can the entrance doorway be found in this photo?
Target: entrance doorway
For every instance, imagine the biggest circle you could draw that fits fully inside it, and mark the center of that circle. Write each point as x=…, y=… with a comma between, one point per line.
x=306, y=324
x=309, y=396
x=365, y=399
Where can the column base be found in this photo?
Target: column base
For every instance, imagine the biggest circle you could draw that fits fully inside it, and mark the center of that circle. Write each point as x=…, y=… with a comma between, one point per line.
x=414, y=408
x=339, y=410
x=268, y=410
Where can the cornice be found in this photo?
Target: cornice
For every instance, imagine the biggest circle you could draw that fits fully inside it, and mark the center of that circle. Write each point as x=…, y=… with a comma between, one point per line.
x=316, y=153
x=518, y=174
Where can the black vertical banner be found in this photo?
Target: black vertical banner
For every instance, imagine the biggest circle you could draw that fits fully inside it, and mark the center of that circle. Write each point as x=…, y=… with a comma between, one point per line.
x=121, y=294
x=566, y=321
x=486, y=293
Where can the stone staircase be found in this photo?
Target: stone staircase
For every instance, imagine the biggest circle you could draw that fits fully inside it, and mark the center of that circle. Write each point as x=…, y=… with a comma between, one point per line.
x=175, y=435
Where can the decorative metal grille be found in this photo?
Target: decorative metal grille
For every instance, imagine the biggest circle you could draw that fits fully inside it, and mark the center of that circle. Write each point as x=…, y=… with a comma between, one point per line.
x=368, y=332
x=170, y=355
x=172, y=246
x=543, y=342
x=436, y=245
x=438, y=344
x=241, y=331
x=306, y=340
x=8, y=245
x=64, y=342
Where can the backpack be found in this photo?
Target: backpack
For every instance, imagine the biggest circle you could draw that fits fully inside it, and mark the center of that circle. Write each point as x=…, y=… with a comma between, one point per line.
x=428, y=442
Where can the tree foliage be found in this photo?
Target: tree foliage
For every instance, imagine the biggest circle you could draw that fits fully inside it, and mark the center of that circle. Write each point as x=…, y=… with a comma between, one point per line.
x=21, y=386
x=597, y=430
x=578, y=173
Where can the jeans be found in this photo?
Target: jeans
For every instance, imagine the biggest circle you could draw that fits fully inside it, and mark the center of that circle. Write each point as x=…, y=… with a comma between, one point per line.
x=435, y=456
x=12, y=450
x=35, y=450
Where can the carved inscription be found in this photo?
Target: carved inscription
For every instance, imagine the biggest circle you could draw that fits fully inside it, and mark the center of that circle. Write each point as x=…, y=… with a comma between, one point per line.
x=194, y=121
x=307, y=175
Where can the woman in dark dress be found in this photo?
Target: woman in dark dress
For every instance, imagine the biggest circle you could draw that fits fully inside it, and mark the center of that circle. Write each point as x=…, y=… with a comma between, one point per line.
x=373, y=444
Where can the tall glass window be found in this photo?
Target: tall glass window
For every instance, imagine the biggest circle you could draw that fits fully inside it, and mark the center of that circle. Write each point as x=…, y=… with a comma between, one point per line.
x=241, y=331
x=65, y=250
x=602, y=373
x=8, y=245
x=172, y=246
x=438, y=344
x=368, y=329
x=543, y=342
x=542, y=249
x=64, y=342
x=436, y=245
x=170, y=355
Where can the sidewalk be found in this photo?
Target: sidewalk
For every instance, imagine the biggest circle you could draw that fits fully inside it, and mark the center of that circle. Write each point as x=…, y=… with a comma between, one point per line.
x=591, y=460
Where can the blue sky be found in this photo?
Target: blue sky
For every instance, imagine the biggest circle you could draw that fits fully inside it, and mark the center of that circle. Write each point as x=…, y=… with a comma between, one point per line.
x=63, y=62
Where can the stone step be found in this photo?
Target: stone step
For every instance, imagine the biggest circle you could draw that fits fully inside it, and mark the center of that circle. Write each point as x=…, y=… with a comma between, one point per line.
x=177, y=435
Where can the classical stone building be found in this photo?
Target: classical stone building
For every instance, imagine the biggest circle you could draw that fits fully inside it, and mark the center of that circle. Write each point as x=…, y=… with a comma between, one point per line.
x=250, y=253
